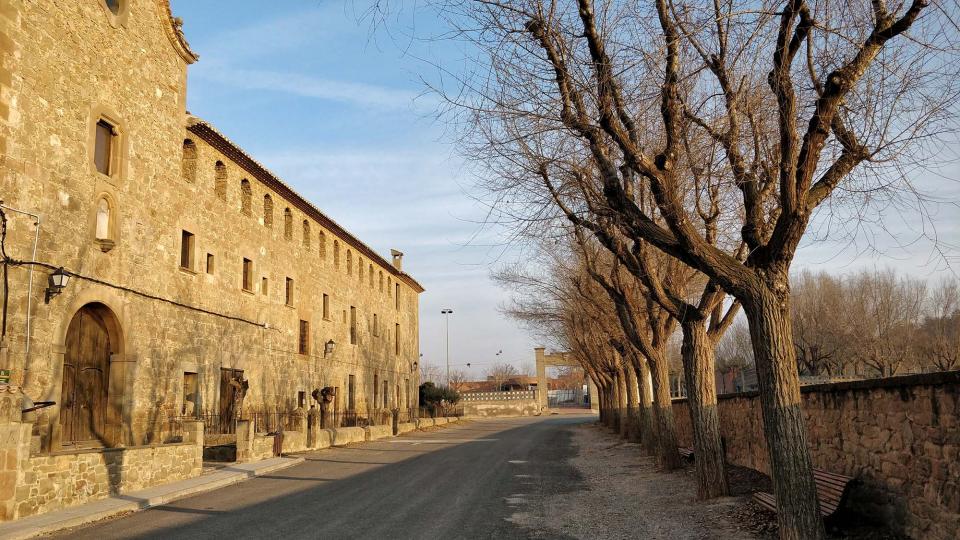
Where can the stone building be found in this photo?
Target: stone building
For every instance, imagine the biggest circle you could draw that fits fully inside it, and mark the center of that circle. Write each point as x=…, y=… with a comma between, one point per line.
x=192, y=267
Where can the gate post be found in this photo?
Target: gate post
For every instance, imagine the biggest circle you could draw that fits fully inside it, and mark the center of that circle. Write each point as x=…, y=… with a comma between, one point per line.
x=244, y=441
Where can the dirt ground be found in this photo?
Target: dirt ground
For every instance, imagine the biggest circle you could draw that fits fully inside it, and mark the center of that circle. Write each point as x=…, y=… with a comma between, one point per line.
x=624, y=496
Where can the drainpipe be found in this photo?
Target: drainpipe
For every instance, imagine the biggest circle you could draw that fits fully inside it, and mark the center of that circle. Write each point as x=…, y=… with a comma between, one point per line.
x=33, y=257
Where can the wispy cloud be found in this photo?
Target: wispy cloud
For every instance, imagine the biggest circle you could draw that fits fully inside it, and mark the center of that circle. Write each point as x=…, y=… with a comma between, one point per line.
x=355, y=93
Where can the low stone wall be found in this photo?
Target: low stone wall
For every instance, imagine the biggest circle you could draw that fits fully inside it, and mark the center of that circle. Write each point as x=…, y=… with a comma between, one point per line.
x=347, y=435
x=900, y=436
x=38, y=484
x=374, y=433
x=501, y=408
x=406, y=427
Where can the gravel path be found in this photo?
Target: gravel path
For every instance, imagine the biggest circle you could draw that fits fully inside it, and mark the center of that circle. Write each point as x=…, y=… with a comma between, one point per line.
x=623, y=495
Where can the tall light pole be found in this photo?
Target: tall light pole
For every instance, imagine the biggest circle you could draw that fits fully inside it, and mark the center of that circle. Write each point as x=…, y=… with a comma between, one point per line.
x=446, y=315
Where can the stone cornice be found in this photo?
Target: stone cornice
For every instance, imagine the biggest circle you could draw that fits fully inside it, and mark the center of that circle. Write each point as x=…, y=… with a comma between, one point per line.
x=219, y=141
x=174, y=30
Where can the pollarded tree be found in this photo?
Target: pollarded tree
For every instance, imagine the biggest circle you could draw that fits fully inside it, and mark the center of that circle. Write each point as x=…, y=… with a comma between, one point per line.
x=797, y=96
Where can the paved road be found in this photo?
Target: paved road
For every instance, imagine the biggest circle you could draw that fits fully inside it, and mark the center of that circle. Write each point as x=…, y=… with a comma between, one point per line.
x=460, y=481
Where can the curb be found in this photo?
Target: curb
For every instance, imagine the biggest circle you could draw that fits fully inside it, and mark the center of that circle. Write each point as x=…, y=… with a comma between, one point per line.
x=112, y=506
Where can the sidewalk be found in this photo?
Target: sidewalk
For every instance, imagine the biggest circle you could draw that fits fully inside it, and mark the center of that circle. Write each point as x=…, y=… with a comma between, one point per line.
x=138, y=500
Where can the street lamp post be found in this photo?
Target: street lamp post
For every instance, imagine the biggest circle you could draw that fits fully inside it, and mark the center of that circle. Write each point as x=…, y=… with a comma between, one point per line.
x=446, y=314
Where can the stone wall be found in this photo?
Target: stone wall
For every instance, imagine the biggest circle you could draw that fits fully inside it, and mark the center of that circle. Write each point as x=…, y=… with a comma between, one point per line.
x=64, y=64
x=517, y=403
x=900, y=436
x=36, y=484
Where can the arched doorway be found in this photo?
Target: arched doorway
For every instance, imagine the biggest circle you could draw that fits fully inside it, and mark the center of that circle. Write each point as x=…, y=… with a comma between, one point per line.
x=92, y=338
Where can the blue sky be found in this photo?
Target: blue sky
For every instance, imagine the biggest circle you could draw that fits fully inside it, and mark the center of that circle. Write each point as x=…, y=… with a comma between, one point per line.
x=340, y=113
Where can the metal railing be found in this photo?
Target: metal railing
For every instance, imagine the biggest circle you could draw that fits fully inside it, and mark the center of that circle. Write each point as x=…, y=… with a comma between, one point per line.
x=438, y=411
x=272, y=422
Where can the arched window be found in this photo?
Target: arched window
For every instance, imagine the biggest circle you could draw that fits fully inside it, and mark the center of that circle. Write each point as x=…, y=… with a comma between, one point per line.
x=380, y=279
x=349, y=263
x=103, y=220
x=370, y=275
x=220, y=180
x=113, y=6
x=322, y=245
x=360, y=269
x=189, y=163
x=268, y=211
x=306, y=234
x=287, y=224
x=389, y=286
x=336, y=254
x=246, y=194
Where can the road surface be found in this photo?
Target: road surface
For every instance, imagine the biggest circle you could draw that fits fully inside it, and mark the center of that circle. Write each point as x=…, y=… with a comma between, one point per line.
x=460, y=481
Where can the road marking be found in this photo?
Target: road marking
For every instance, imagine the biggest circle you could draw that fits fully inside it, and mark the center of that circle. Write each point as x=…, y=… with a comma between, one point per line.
x=516, y=461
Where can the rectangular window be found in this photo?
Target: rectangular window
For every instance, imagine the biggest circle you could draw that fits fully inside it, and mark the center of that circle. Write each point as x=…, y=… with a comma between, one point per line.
x=247, y=275
x=351, y=398
x=289, y=292
x=406, y=395
x=186, y=250
x=326, y=307
x=103, y=147
x=209, y=263
x=353, y=325
x=396, y=297
x=396, y=338
x=376, y=325
x=264, y=286
x=376, y=387
x=304, y=347
x=386, y=394
x=189, y=408
x=302, y=399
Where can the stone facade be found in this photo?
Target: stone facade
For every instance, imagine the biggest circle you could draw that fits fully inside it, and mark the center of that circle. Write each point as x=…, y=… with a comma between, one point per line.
x=900, y=436
x=174, y=317
x=518, y=403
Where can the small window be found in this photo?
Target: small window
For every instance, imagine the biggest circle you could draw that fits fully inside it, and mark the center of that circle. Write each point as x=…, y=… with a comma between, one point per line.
x=103, y=147
x=376, y=325
x=360, y=269
x=353, y=325
x=396, y=338
x=376, y=388
x=267, y=211
x=289, y=292
x=189, y=164
x=326, y=307
x=396, y=296
x=386, y=394
x=209, y=263
x=287, y=224
x=306, y=234
x=264, y=286
x=220, y=180
x=189, y=408
x=247, y=282
x=370, y=275
x=322, y=246
x=349, y=263
x=336, y=254
x=186, y=250
x=246, y=196
x=351, y=393
x=380, y=279
x=113, y=6
x=304, y=346
x=302, y=399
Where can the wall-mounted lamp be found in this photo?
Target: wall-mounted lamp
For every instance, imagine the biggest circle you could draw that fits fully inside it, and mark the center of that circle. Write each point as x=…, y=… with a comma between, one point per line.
x=328, y=347
x=55, y=284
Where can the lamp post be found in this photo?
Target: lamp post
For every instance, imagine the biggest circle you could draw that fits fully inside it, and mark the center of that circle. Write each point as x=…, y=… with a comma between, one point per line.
x=446, y=314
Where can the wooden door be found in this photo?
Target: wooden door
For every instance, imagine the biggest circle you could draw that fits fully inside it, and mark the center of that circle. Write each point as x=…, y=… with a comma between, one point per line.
x=86, y=368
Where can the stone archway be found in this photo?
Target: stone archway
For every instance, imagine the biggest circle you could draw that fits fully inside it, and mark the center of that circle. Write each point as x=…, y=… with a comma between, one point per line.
x=543, y=360
x=92, y=338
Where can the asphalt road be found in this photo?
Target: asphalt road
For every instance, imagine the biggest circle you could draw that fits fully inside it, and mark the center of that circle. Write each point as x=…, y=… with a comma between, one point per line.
x=460, y=481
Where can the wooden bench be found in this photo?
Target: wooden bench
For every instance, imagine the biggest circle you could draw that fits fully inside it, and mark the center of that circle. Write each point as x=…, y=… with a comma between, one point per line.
x=831, y=491
x=686, y=452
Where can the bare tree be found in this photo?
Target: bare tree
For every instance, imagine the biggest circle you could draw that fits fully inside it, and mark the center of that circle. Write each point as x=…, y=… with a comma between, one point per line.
x=940, y=332
x=457, y=379
x=500, y=373
x=623, y=86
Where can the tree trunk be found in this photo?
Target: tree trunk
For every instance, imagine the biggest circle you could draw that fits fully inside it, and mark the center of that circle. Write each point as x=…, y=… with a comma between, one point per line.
x=798, y=513
x=617, y=397
x=667, y=454
x=633, y=427
x=624, y=402
x=647, y=433
x=698, y=365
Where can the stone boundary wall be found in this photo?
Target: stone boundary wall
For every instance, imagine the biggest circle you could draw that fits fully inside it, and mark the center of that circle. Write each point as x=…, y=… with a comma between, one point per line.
x=499, y=396
x=38, y=484
x=900, y=436
x=496, y=404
